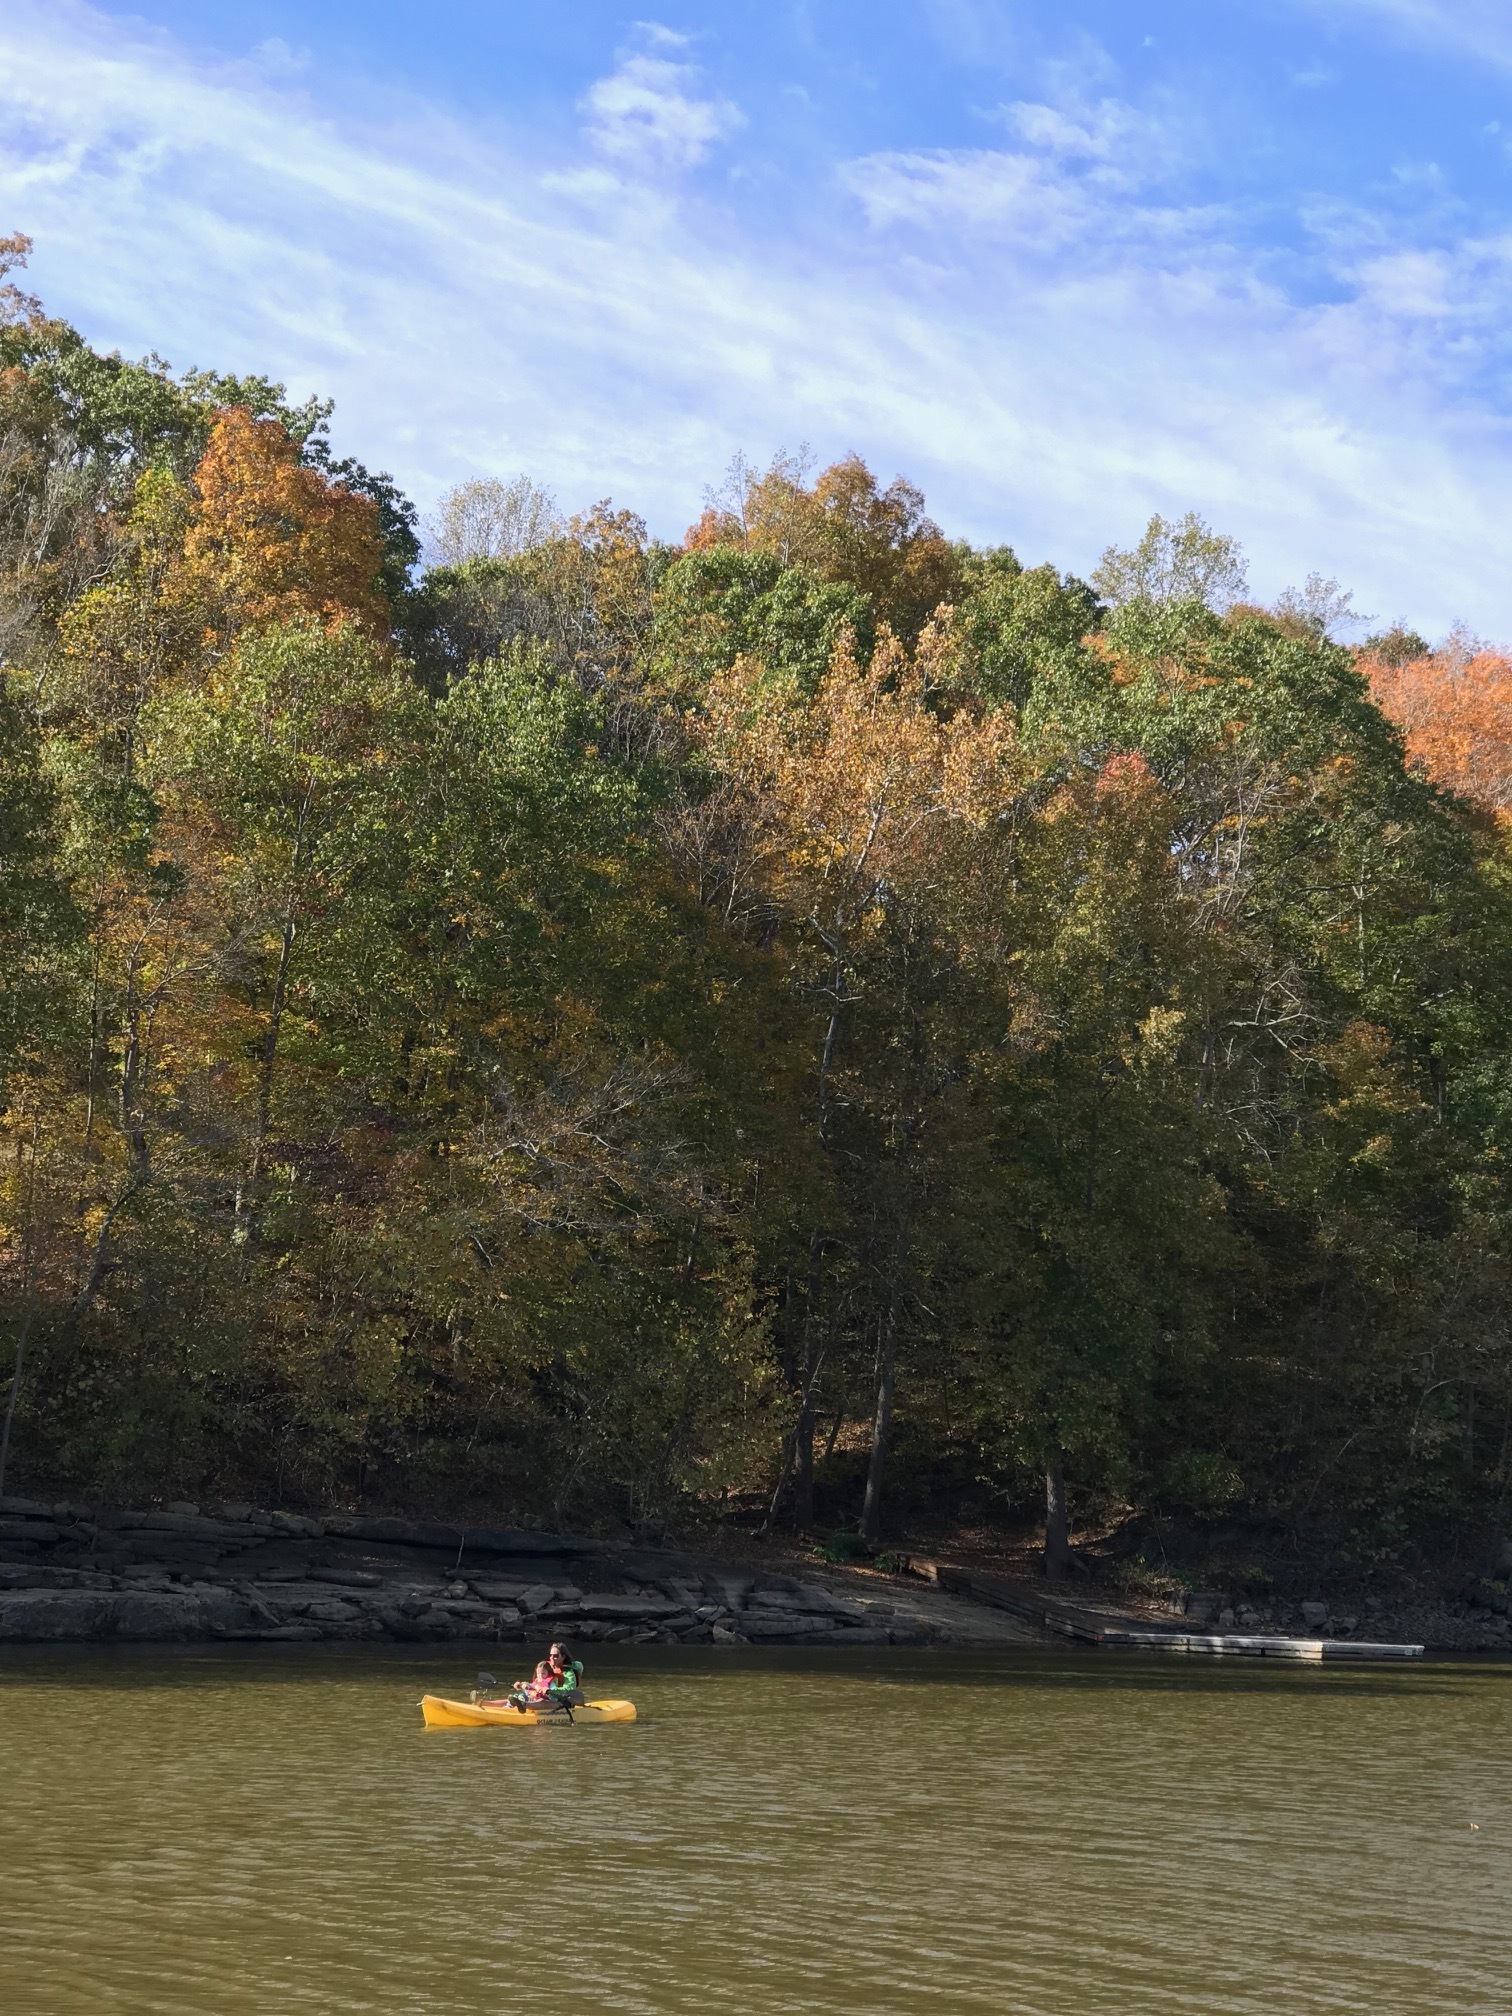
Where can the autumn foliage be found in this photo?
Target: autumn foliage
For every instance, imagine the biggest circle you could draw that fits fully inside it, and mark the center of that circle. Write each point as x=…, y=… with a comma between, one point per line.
x=1455, y=710
x=845, y=527
x=275, y=539
x=818, y=1024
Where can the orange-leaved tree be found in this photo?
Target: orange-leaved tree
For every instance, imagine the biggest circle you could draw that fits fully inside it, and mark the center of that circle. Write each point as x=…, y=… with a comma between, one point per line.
x=274, y=540
x=1455, y=709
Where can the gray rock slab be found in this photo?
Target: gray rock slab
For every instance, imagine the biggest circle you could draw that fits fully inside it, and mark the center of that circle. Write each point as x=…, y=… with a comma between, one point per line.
x=783, y=1625
x=432, y=1623
x=34, y=1575
x=151, y=1613
x=640, y=1609
x=827, y=1604
x=903, y=1631
x=145, y=1546
x=331, y=1610
x=471, y=1540
x=41, y=1532
x=190, y=1526
x=227, y=1613
x=40, y=1615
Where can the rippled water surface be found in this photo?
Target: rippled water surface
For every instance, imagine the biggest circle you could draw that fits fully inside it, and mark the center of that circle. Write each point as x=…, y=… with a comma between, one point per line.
x=268, y=1832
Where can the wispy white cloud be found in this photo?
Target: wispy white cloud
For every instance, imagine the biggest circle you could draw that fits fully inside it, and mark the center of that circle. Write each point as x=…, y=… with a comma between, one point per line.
x=650, y=113
x=281, y=59
x=1480, y=28
x=979, y=32
x=1039, y=333
x=979, y=188
x=661, y=36
x=1105, y=131
x=1083, y=168
x=1017, y=198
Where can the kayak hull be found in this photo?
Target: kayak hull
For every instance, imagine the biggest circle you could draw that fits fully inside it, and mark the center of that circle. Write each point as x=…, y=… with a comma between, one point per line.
x=440, y=1713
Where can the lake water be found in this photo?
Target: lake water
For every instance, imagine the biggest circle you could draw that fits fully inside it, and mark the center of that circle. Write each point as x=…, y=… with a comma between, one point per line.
x=269, y=1831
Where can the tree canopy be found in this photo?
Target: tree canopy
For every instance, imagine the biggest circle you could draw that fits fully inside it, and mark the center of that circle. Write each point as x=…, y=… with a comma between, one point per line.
x=813, y=1022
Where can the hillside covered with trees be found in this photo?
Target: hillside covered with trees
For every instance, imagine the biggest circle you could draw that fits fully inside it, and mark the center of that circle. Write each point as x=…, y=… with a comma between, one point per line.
x=817, y=1021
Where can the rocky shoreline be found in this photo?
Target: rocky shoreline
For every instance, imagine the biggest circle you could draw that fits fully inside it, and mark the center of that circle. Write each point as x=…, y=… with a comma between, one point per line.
x=80, y=1573
x=76, y=1573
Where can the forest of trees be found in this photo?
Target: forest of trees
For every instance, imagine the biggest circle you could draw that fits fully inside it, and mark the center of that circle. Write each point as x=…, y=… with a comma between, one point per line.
x=820, y=1022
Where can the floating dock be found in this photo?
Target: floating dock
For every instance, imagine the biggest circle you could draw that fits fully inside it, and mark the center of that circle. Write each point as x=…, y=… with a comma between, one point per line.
x=1243, y=1645
x=1118, y=1632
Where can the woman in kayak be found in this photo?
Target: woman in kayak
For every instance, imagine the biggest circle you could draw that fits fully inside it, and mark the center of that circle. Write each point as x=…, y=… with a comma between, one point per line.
x=566, y=1674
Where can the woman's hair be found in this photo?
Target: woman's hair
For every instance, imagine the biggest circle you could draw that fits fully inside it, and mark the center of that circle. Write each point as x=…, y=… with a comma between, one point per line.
x=560, y=1647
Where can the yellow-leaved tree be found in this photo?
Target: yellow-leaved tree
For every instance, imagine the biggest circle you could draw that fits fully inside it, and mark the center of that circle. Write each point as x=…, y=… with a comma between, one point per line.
x=273, y=539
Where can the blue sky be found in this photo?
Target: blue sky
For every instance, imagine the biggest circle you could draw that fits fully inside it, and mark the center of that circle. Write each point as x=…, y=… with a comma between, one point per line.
x=1065, y=262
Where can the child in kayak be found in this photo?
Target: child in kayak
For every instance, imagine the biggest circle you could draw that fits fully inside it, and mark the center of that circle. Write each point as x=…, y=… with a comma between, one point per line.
x=537, y=1692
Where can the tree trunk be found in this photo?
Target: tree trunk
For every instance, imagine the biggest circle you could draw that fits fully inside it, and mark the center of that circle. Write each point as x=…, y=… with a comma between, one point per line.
x=786, y=1468
x=15, y=1394
x=831, y=1037
x=269, y=1057
x=268, y=1062
x=813, y=1360
x=803, y=1462
x=871, y=1510
x=29, y=1308
x=130, y=1094
x=784, y=1472
x=832, y=1439
x=1058, y=1556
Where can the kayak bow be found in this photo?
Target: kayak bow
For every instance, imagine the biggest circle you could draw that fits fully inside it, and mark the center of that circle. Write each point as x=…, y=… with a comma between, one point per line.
x=440, y=1713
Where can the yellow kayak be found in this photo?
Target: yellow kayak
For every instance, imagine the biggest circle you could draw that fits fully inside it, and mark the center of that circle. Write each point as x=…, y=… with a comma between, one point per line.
x=442, y=1714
